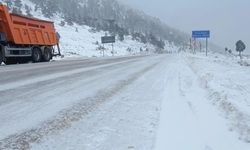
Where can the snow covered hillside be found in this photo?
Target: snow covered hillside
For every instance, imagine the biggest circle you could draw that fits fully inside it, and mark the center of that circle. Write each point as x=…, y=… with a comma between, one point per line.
x=82, y=40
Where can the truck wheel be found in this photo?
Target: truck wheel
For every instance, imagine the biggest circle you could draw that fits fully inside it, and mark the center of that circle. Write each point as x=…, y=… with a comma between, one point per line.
x=36, y=55
x=47, y=56
x=1, y=57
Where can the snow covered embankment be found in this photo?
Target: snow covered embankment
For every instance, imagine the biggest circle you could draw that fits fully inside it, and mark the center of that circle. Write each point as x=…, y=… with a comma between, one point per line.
x=228, y=84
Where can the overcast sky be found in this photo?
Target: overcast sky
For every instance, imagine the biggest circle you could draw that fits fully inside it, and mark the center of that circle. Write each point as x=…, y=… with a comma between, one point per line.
x=228, y=20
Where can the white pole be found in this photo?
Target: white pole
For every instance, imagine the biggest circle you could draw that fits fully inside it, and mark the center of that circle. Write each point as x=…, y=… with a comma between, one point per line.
x=206, y=46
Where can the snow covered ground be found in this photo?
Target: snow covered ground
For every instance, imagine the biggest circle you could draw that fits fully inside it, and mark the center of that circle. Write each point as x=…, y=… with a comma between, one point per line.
x=176, y=101
x=229, y=88
x=83, y=42
x=191, y=116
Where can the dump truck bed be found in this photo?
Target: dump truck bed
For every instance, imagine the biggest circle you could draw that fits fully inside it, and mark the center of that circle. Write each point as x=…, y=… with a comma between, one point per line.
x=23, y=30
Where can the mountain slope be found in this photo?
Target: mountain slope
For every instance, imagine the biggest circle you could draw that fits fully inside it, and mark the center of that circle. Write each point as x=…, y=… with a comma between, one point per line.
x=81, y=24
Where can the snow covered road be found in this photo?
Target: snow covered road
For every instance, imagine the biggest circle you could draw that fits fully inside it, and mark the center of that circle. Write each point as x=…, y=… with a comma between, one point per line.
x=142, y=103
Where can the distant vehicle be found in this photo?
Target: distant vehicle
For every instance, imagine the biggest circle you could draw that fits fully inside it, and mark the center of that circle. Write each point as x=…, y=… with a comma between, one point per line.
x=24, y=38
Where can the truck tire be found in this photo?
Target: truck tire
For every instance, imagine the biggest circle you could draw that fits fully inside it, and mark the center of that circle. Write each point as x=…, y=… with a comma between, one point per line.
x=36, y=55
x=1, y=57
x=47, y=55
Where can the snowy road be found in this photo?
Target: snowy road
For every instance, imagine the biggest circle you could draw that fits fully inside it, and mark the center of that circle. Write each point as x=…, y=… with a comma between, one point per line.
x=141, y=103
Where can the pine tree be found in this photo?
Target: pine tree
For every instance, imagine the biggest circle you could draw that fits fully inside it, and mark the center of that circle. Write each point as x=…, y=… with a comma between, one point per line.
x=17, y=7
x=9, y=3
x=28, y=9
x=240, y=47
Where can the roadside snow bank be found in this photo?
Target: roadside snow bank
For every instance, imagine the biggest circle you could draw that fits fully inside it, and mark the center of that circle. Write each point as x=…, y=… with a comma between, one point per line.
x=228, y=84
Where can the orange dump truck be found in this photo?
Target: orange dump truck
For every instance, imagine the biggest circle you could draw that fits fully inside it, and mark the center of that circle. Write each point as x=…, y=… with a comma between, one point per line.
x=24, y=38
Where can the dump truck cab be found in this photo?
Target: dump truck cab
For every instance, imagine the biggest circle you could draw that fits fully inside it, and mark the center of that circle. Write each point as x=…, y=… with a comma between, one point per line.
x=23, y=38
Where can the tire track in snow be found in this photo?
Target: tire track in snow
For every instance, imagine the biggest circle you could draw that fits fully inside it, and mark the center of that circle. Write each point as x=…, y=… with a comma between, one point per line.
x=51, y=83
x=9, y=86
x=67, y=117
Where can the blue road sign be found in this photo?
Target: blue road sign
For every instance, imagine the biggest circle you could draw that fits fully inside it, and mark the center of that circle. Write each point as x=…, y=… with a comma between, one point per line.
x=201, y=34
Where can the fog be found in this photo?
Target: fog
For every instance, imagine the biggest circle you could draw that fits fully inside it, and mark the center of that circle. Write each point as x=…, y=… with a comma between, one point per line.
x=228, y=20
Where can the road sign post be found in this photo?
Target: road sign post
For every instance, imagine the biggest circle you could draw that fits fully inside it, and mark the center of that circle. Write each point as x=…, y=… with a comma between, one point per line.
x=206, y=45
x=103, y=51
x=108, y=39
x=113, y=49
x=200, y=46
x=195, y=45
x=202, y=34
